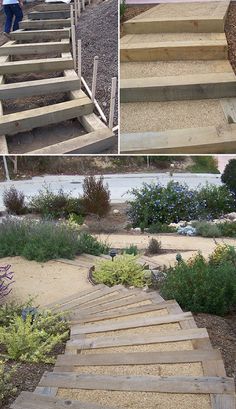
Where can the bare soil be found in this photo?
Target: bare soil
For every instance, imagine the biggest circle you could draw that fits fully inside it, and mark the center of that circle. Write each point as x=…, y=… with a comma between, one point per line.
x=230, y=31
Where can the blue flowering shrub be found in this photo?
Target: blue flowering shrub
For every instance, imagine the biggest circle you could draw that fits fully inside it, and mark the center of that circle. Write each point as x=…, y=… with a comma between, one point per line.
x=154, y=203
x=204, y=285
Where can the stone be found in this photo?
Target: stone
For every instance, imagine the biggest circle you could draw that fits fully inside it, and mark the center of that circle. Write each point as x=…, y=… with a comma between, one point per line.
x=230, y=216
x=116, y=211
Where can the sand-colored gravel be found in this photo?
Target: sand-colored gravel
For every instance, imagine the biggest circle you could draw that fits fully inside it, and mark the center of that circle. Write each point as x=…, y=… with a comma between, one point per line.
x=167, y=346
x=152, y=329
x=45, y=282
x=148, y=314
x=191, y=369
x=137, y=400
x=162, y=116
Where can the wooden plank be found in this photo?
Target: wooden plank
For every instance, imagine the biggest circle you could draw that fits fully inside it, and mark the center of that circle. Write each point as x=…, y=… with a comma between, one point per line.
x=74, y=296
x=122, y=312
x=3, y=141
x=118, y=341
x=137, y=358
x=29, y=400
x=52, y=7
x=51, y=114
x=44, y=24
x=49, y=15
x=40, y=65
x=168, y=384
x=91, y=143
x=38, y=87
x=175, y=50
x=179, y=87
x=35, y=48
x=128, y=324
x=35, y=35
x=223, y=401
x=209, y=140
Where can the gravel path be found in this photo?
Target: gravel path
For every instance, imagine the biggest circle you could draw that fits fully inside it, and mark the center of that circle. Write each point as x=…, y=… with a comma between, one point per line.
x=98, y=29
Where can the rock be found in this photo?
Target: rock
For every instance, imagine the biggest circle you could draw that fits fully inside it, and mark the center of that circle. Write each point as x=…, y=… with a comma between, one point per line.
x=137, y=230
x=116, y=211
x=230, y=216
x=187, y=231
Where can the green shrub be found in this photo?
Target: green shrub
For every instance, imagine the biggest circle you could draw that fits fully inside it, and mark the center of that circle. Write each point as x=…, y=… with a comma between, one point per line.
x=154, y=247
x=33, y=342
x=229, y=176
x=14, y=201
x=9, y=310
x=215, y=201
x=203, y=164
x=161, y=228
x=96, y=196
x=75, y=219
x=124, y=270
x=200, y=285
x=6, y=387
x=90, y=245
x=132, y=249
x=228, y=229
x=123, y=8
x=206, y=229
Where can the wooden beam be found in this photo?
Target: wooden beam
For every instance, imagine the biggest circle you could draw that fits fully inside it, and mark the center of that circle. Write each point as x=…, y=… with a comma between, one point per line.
x=3, y=141
x=35, y=48
x=91, y=143
x=168, y=384
x=51, y=114
x=118, y=341
x=38, y=87
x=52, y=7
x=175, y=50
x=44, y=24
x=49, y=15
x=40, y=65
x=29, y=400
x=206, y=140
x=79, y=294
x=179, y=87
x=138, y=358
x=128, y=324
x=34, y=35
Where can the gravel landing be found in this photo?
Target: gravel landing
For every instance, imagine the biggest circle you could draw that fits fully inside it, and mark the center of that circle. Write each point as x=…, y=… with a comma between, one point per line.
x=98, y=29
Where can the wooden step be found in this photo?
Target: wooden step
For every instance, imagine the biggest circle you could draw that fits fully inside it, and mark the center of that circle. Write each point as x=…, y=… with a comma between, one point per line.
x=36, y=48
x=168, y=384
x=174, y=50
x=174, y=18
x=38, y=65
x=174, y=88
x=33, y=35
x=29, y=400
x=51, y=114
x=38, y=87
x=206, y=140
x=130, y=340
x=93, y=142
x=44, y=24
x=129, y=323
x=49, y=15
x=52, y=7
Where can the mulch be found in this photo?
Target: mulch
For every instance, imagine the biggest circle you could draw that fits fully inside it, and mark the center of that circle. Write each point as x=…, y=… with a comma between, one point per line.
x=230, y=31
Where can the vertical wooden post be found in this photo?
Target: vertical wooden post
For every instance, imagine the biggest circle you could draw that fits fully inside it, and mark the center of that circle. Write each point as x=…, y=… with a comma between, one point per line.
x=71, y=18
x=79, y=58
x=94, y=83
x=112, y=103
x=6, y=168
x=73, y=45
x=79, y=8
x=76, y=12
x=83, y=4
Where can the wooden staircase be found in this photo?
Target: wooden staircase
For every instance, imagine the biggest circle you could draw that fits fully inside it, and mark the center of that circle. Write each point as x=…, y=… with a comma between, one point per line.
x=132, y=349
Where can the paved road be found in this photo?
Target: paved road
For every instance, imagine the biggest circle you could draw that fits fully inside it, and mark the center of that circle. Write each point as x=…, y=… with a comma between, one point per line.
x=119, y=184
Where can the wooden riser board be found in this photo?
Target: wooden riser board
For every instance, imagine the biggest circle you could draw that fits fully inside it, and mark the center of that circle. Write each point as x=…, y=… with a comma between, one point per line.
x=35, y=35
x=52, y=7
x=49, y=15
x=40, y=65
x=33, y=118
x=206, y=140
x=44, y=24
x=129, y=323
x=38, y=87
x=174, y=88
x=37, y=48
x=29, y=400
x=204, y=385
x=175, y=50
x=119, y=341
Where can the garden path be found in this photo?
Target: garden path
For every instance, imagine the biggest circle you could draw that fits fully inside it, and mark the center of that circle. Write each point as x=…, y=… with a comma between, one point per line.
x=130, y=349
